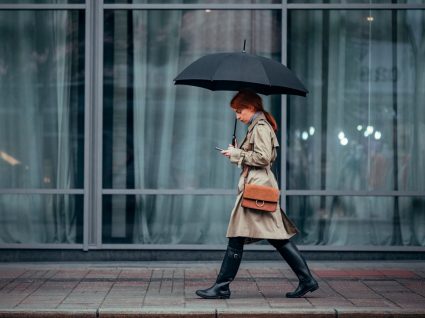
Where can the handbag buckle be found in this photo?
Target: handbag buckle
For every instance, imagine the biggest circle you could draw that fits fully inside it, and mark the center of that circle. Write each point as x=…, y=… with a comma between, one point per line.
x=259, y=205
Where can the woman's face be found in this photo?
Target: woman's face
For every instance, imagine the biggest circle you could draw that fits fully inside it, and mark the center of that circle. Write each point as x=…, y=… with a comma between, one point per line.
x=244, y=114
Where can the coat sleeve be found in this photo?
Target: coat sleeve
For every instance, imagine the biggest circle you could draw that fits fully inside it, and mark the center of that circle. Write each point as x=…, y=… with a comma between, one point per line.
x=261, y=155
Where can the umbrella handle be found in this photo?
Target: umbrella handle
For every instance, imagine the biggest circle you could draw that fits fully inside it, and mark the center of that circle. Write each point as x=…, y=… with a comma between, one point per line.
x=234, y=134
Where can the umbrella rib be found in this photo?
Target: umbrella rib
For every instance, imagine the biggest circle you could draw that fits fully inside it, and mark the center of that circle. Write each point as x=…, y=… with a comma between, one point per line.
x=268, y=78
x=218, y=66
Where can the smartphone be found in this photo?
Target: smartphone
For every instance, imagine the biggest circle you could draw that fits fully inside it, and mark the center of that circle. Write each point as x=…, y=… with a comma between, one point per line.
x=218, y=148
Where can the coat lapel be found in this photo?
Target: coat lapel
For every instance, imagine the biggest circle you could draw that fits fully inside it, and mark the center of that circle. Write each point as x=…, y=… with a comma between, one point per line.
x=251, y=127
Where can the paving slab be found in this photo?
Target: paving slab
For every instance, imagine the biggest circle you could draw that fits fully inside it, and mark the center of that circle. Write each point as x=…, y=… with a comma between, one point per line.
x=347, y=289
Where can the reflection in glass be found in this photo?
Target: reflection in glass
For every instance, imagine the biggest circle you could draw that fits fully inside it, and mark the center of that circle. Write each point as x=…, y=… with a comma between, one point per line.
x=157, y=135
x=41, y=219
x=166, y=219
x=42, y=99
x=358, y=221
x=365, y=71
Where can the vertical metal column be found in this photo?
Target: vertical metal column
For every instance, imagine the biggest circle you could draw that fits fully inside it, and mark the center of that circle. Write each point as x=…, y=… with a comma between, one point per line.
x=88, y=100
x=284, y=99
x=93, y=133
x=97, y=65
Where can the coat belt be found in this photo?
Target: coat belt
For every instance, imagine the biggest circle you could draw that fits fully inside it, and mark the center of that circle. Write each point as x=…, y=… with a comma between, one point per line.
x=247, y=168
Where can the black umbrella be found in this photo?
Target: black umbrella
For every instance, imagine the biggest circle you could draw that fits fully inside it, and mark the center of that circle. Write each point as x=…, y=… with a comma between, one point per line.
x=236, y=71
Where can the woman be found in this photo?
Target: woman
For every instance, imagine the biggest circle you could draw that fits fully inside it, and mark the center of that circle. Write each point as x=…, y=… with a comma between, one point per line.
x=255, y=156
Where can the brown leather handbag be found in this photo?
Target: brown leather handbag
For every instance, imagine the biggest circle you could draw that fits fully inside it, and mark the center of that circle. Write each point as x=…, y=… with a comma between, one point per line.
x=260, y=197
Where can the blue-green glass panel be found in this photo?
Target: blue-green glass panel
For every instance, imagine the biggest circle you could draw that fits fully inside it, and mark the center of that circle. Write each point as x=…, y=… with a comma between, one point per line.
x=41, y=219
x=359, y=128
x=158, y=135
x=165, y=219
x=358, y=221
x=42, y=98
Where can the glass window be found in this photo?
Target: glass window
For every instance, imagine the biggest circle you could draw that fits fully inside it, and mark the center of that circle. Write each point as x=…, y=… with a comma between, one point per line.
x=166, y=219
x=42, y=99
x=41, y=219
x=157, y=135
x=358, y=221
x=360, y=127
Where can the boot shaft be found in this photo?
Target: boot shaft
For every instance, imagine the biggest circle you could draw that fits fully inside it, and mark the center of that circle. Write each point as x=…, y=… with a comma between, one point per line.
x=295, y=260
x=230, y=265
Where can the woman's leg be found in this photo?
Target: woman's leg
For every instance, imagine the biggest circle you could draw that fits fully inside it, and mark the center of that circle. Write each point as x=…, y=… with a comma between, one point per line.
x=296, y=261
x=229, y=268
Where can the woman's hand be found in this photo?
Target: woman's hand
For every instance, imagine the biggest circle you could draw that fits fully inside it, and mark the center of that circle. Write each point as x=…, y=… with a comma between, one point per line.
x=228, y=151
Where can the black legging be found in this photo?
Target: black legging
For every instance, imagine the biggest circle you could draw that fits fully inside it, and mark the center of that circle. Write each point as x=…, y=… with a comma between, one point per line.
x=238, y=242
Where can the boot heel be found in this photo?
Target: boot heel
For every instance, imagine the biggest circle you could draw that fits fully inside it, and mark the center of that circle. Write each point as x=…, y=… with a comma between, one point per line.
x=310, y=290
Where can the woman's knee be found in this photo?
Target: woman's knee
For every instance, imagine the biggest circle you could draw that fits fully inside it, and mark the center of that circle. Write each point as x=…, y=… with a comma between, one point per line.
x=277, y=243
x=236, y=242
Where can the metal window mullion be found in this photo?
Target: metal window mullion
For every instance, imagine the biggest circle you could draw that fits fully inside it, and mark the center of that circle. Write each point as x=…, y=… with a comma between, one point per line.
x=41, y=191
x=97, y=121
x=349, y=6
x=212, y=247
x=355, y=193
x=284, y=105
x=168, y=192
x=191, y=247
x=313, y=248
x=40, y=246
x=285, y=192
x=88, y=117
x=30, y=6
x=235, y=6
x=175, y=6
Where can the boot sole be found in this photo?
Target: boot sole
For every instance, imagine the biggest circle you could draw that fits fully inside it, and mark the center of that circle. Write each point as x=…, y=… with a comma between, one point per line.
x=213, y=297
x=310, y=290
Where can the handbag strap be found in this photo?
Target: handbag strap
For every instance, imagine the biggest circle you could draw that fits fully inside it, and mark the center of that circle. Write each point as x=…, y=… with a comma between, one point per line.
x=276, y=173
x=246, y=172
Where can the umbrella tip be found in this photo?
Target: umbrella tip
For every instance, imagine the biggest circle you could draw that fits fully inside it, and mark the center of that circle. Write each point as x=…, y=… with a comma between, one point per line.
x=244, y=44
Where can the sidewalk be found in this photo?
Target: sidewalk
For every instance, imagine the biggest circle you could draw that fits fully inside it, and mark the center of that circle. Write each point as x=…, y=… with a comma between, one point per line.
x=162, y=289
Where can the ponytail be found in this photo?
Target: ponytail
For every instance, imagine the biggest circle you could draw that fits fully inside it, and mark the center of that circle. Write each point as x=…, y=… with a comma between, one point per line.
x=271, y=120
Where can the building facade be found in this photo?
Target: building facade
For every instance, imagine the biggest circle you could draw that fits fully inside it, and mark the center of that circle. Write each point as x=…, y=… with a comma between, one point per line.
x=99, y=150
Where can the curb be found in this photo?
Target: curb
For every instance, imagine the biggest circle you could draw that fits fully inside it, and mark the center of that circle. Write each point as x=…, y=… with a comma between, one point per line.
x=47, y=313
x=216, y=313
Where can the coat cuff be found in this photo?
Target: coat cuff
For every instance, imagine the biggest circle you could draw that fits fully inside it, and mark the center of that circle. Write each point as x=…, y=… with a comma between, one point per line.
x=236, y=156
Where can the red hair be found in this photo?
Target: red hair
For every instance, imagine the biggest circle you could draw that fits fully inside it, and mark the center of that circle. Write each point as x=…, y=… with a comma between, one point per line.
x=245, y=98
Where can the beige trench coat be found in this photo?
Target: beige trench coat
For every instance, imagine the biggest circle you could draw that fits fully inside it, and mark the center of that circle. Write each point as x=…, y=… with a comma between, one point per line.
x=258, y=151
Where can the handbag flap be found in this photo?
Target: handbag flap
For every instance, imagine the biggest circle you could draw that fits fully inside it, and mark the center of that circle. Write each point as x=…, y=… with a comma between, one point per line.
x=261, y=193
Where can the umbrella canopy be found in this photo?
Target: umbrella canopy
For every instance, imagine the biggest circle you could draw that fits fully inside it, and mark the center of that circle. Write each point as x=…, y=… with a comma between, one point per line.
x=236, y=71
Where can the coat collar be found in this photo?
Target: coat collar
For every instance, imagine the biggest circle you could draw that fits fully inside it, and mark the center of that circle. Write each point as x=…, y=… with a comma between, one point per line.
x=260, y=116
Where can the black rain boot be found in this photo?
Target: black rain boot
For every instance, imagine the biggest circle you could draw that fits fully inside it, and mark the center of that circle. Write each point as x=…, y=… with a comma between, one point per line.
x=229, y=268
x=296, y=261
